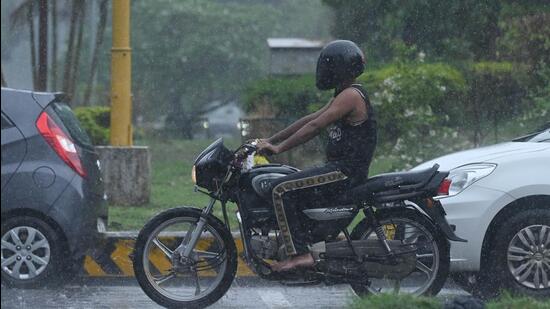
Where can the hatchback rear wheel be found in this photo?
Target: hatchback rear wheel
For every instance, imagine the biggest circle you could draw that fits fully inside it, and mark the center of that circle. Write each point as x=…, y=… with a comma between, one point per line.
x=31, y=252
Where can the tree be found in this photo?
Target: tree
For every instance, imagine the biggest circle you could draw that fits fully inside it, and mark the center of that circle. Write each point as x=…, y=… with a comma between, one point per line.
x=103, y=12
x=30, y=21
x=42, y=75
x=68, y=79
x=26, y=11
x=198, y=52
x=44, y=57
x=442, y=29
x=496, y=94
x=53, y=69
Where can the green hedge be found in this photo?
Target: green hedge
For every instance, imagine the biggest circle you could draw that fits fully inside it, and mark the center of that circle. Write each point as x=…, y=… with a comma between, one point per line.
x=411, y=99
x=496, y=94
x=284, y=97
x=96, y=121
x=405, y=96
x=424, y=109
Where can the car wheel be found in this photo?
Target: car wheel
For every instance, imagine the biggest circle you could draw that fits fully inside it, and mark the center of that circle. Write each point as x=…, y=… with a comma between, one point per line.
x=31, y=252
x=521, y=253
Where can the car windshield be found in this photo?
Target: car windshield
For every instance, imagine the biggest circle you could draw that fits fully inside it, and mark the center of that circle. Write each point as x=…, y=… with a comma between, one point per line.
x=537, y=137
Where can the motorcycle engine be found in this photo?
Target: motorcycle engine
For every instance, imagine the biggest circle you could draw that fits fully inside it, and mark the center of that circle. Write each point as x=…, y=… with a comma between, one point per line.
x=264, y=247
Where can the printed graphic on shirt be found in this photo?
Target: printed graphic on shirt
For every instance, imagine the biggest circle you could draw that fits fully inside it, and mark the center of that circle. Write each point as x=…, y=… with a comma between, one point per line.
x=335, y=134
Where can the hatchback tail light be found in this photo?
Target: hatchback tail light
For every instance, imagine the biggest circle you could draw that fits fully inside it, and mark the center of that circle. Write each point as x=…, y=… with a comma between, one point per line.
x=61, y=143
x=444, y=187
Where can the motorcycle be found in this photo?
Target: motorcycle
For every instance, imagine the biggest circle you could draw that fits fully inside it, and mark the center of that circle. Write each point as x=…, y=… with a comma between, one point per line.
x=187, y=257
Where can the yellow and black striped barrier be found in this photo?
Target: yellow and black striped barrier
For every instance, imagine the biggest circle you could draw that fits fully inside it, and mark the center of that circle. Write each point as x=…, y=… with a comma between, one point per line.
x=113, y=258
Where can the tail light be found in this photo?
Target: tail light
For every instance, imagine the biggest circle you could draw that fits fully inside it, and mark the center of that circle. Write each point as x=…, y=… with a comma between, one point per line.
x=444, y=187
x=61, y=143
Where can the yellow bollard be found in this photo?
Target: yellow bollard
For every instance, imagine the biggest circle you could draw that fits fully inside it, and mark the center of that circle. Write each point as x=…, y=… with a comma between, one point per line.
x=121, y=76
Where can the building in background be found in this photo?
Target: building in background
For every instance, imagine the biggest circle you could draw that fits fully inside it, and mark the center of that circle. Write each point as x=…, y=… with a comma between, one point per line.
x=223, y=121
x=293, y=56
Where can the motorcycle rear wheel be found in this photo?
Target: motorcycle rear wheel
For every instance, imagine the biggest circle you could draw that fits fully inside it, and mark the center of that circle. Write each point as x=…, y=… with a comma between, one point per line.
x=433, y=259
x=214, y=260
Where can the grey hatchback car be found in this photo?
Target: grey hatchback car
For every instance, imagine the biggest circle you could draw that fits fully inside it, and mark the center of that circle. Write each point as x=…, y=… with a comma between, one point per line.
x=53, y=203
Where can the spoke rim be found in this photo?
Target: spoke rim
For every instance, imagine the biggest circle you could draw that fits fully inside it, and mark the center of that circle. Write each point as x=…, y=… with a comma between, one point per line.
x=410, y=237
x=528, y=257
x=194, y=273
x=167, y=251
x=27, y=257
x=165, y=278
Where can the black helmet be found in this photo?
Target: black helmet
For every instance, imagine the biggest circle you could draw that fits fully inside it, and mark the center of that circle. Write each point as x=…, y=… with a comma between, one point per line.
x=339, y=61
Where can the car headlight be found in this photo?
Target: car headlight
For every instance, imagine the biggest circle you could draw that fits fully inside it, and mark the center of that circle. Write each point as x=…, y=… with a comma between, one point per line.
x=464, y=176
x=194, y=175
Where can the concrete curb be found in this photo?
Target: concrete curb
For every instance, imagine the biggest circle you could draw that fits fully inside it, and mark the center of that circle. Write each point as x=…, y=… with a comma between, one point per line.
x=112, y=259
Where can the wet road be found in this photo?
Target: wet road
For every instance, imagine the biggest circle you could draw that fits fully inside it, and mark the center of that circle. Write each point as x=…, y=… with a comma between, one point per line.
x=249, y=293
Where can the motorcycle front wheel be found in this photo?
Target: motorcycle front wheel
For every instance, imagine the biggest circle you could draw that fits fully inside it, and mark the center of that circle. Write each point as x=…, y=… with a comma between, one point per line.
x=174, y=281
x=432, y=256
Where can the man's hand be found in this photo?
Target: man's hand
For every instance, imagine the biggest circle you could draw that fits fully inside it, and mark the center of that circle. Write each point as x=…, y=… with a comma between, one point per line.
x=267, y=149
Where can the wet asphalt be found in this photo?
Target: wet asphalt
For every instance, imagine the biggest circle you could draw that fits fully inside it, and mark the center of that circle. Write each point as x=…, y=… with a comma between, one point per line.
x=244, y=293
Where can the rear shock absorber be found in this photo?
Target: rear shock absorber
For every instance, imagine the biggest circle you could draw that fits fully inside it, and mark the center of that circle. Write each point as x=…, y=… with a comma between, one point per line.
x=378, y=229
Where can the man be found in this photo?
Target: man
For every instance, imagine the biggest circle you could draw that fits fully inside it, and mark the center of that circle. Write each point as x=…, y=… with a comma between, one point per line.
x=352, y=140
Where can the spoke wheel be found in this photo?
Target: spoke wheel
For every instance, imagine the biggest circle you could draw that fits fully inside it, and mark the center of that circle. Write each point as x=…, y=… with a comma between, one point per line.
x=432, y=256
x=179, y=278
x=174, y=280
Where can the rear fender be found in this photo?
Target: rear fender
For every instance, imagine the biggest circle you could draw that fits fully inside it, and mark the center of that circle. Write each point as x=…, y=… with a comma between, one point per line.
x=434, y=210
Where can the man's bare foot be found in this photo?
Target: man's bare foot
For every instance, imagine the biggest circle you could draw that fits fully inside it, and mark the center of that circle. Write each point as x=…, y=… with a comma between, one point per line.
x=303, y=260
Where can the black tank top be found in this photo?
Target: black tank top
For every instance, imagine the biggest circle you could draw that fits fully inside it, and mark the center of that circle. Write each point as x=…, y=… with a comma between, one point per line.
x=353, y=145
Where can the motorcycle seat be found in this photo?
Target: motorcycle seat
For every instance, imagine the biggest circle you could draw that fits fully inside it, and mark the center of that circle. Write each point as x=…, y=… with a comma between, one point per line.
x=390, y=181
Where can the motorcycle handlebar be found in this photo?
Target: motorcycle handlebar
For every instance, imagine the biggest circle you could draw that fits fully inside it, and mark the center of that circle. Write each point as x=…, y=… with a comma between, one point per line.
x=246, y=149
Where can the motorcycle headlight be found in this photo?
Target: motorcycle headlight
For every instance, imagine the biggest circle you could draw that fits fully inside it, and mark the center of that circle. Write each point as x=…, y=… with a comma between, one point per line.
x=194, y=175
x=464, y=176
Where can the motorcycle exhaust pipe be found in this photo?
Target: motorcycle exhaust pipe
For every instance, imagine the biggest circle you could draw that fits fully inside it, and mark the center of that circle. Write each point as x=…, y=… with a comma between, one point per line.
x=339, y=258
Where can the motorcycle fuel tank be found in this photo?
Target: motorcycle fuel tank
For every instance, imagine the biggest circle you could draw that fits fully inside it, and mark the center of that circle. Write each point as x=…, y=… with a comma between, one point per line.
x=255, y=194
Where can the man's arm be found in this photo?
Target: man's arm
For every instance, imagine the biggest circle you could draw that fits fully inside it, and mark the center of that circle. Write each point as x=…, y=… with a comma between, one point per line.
x=297, y=125
x=340, y=107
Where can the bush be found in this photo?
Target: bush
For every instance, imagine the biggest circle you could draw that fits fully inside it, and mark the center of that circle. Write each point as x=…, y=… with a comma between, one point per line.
x=540, y=97
x=496, y=95
x=418, y=107
x=96, y=121
x=414, y=98
x=284, y=96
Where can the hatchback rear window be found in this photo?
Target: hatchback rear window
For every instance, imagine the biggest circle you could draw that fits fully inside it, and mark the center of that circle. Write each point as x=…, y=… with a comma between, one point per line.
x=72, y=124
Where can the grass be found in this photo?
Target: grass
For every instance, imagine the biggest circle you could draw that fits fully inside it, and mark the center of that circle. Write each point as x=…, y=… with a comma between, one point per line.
x=391, y=301
x=507, y=301
x=171, y=184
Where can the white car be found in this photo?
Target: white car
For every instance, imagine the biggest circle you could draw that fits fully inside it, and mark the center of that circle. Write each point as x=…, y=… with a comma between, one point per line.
x=499, y=200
